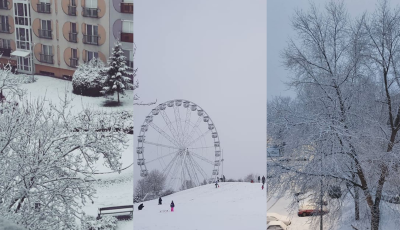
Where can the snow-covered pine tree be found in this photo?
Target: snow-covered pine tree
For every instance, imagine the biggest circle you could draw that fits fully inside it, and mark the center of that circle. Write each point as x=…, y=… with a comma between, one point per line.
x=116, y=73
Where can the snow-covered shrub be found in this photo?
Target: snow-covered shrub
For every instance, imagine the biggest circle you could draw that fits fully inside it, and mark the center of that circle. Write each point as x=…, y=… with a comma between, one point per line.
x=87, y=79
x=28, y=78
x=105, y=223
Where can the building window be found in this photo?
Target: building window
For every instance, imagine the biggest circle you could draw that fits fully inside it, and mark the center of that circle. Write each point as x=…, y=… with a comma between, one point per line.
x=90, y=9
x=4, y=4
x=21, y=14
x=127, y=6
x=90, y=55
x=5, y=47
x=47, y=54
x=44, y=6
x=23, y=38
x=45, y=30
x=92, y=35
x=74, y=58
x=4, y=25
x=127, y=31
x=72, y=8
x=73, y=34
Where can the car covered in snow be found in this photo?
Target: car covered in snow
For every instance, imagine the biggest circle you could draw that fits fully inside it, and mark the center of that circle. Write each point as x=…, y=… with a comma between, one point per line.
x=276, y=225
x=312, y=210
x=277, y=217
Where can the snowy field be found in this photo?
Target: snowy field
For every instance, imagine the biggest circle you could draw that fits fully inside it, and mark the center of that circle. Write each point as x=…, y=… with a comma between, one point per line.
x=113, y=189
x=232, y=206
x=281, y=206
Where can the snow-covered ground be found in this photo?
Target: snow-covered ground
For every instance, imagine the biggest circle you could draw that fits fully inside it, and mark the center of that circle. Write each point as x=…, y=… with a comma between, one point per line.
x=232, y=206
x=281, y=206
x=53, y=89
x=113, y=189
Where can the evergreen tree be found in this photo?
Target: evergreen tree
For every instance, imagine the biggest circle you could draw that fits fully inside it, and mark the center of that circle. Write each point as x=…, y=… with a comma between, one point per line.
x=116, y=73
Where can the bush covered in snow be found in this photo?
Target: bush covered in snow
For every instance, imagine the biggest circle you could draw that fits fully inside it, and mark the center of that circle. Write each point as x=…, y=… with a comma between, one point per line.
x=105, y=223
x=87, y=79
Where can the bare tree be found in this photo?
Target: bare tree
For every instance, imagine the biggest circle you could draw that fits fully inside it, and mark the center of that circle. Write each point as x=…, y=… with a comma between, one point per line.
x=341, y=121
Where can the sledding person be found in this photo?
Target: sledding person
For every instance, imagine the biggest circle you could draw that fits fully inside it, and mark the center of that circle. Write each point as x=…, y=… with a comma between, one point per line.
x=141, y=206
x=172, y=206
x=160, y=201
x=258, y=179
x=263, y=179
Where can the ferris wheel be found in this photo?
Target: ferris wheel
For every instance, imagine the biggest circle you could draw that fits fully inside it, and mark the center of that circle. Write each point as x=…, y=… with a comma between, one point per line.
x=179, y=139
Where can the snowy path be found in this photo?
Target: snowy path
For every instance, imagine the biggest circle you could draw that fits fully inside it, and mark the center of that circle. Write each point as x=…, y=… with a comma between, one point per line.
x=232, y=206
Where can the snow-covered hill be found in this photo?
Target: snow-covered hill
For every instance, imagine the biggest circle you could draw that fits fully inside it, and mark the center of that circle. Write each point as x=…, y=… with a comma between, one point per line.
x=232, y=206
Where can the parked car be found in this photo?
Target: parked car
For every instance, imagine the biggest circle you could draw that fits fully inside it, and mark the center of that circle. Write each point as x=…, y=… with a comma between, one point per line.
x=277, y=217
x=312, y=210
x=276, y=225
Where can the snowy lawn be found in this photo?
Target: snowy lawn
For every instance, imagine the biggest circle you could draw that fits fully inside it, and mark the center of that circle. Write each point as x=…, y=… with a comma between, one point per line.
x=53, y=89
x=232, y=206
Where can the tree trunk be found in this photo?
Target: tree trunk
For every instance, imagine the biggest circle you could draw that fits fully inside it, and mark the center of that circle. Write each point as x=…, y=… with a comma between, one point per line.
x=356, y=203
x=375, y=217
x=118, y=96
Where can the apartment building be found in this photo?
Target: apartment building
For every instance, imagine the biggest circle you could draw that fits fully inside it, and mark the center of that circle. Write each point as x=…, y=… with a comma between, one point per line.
x=52, y=37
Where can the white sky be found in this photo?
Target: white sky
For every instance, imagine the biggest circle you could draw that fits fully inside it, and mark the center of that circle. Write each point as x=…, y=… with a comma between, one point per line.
x=212, y=53
x=279, y=14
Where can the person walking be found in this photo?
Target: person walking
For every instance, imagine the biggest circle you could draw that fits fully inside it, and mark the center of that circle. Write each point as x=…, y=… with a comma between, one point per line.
x=159, y=201
x=263, y=180
x=258, y=179
x=172, y=206
x=216, y=184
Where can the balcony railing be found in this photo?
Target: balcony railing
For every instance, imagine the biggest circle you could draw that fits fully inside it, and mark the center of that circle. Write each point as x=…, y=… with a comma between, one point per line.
x=74, y=62
x=91, y=39
x=72, y=10
x=127, y=37
x=73, y=37
x=45, y=34
x=46, y=58
x=90, y=12
x=43, y=8
x=4, y=4
x=5, y=28
x=6, y=52
x=22, y=45
x=127, y=8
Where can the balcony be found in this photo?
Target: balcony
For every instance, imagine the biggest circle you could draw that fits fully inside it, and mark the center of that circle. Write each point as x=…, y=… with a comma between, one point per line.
x=45, y=34
x=91, y=39
x=90, y=12
x=73, y=37
x=127, y=8
x=4, y=4
x=5, y=28
x=43, y=8
x=127, y=37
x=74, y=62
x=72, y=10
x=5, y=52
x=45, y=58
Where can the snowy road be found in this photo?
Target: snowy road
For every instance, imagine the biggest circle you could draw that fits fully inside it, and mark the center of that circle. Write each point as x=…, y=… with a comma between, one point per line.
x=233, y=206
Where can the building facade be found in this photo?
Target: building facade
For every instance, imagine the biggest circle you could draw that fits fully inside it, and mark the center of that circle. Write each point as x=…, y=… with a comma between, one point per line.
x=52, y=37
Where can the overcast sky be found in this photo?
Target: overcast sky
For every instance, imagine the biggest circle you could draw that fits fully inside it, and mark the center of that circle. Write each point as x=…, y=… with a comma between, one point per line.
x=279, y=30
x=212, y=53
